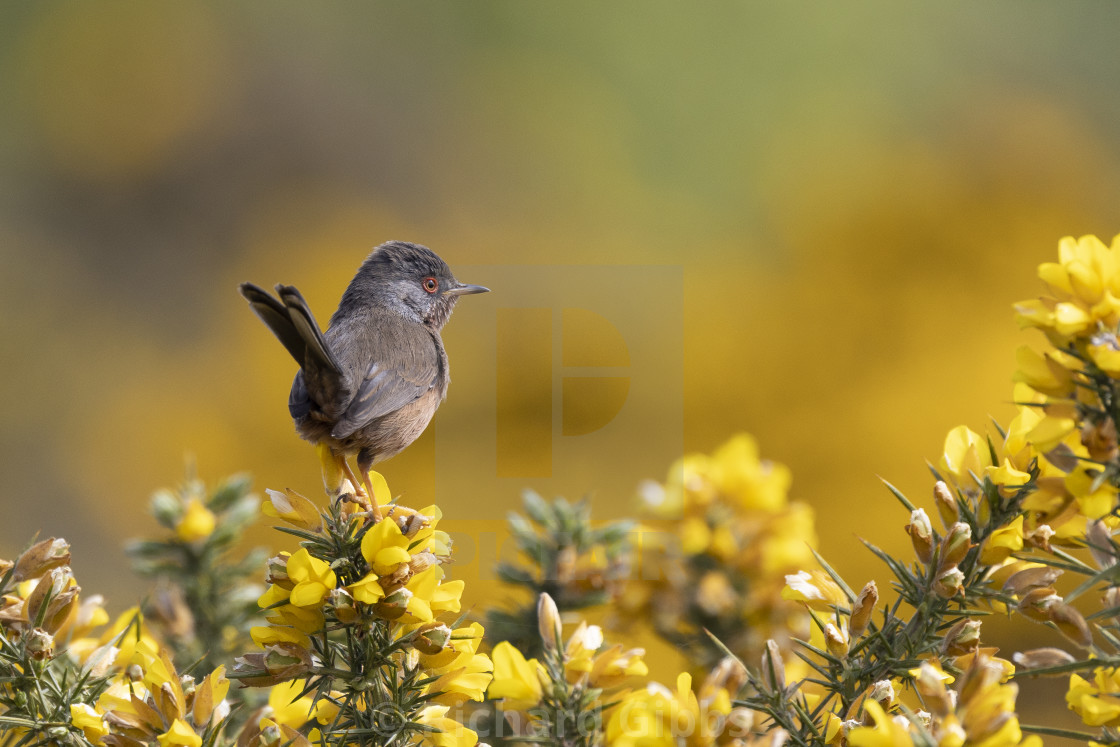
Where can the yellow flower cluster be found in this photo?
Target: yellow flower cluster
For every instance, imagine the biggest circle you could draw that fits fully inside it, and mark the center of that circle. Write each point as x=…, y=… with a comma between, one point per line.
x=140, y=698
x=1071, y=425
x=733, y=536
x=158, y=705
x=582, y=673
x=1096, y=701
x=656, y=716
x=980, y=711
x=393, y=582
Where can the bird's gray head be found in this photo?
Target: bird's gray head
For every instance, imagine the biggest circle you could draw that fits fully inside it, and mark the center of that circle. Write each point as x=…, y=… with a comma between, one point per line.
x=409, y=279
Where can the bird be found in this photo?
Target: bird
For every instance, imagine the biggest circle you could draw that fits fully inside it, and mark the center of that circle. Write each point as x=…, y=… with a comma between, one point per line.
x=369, y=385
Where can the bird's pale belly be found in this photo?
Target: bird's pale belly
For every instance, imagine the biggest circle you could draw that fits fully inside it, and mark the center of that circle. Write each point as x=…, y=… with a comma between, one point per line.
x=380, y=439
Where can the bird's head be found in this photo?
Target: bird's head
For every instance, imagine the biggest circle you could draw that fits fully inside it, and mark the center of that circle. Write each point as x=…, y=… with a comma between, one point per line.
x=409, y=279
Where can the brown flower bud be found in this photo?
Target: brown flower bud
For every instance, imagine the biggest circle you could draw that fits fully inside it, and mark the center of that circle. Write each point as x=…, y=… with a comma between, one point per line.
x=277, y=575
x=1040, y=537
x=342, y=603
x=729, y=675
x=949, y=583
x=1036, y=603
x=921, y=534
x=947, y=506
x=42, y=557
x=42, y=602
x=1100, y=440
x=1042, y=658
x=836, y=640
x=1071, y=624
x=1023, y=581
x=930, y=683
x=287, y=661
x=421, y=562
x=1098, y=537
x=882, y=692
x=40, y=644
x=863, y=609
x=203, y=705
x=413, y=523
x=962, y=638
x=431, y=638
x=549, y=625
x=393, y=605
x=252, y=671
x=773, y=668
x=955, y=545
x=293, y=508
x=1111, y=599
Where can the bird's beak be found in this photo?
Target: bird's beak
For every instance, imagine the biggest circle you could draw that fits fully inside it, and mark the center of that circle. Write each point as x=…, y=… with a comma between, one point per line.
x=465, y=290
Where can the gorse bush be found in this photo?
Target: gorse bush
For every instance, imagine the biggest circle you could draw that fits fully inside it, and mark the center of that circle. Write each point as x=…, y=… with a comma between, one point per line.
x=357, y=636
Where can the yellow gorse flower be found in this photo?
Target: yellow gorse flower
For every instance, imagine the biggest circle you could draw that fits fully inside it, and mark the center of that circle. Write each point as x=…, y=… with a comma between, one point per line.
x=313, y=579
x=1096, y=701
x=517, y=681
x=197, y=522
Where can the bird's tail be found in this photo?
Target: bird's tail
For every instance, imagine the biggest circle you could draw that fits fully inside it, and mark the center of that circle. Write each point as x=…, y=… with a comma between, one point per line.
x=291, y=320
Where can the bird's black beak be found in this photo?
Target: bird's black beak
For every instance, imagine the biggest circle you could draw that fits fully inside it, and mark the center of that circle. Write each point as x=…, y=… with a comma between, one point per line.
x=465, y=290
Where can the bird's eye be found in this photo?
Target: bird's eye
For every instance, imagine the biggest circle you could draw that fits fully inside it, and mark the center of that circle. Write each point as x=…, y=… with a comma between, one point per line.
x=431, y=285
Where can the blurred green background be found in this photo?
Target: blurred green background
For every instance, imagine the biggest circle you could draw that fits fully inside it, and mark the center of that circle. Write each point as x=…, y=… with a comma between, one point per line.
x=837, y=203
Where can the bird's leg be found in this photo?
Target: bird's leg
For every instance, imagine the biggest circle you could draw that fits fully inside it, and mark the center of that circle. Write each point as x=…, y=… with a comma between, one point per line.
x=371, y=506
x=363, y=497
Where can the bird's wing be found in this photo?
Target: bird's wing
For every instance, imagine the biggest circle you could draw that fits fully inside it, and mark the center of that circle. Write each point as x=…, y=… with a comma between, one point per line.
x=408, y=366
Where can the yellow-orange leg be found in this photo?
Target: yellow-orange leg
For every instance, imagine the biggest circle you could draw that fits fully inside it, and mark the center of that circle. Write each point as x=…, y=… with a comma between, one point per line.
x=371, y=504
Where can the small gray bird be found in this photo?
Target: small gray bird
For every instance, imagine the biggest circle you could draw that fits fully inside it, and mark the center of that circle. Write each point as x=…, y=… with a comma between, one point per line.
x=371, y=383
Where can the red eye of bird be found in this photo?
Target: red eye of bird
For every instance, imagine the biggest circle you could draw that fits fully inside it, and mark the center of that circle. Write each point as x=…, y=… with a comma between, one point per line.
x=430, y=285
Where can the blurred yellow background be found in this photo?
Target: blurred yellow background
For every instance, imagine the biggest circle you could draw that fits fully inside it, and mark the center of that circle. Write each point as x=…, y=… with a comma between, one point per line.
x=806, y=223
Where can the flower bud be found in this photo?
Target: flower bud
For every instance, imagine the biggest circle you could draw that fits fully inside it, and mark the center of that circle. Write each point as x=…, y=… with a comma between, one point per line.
x=863, y=609
x=956, y=544
x=277, y=567
x=1042, y=658
x=1100, y=438
x=1110, y=600
x=287, y=661
x=962, y=638
x=413, y=523
x=421, y=562
x=947, y=506
x=252, y=671
x=342, y=602
x=40, y=644
x=921, y=534
x=882, y=692
x=1071, y=624
x=1099, y=539
x=1036, y=603
x=930, y=683
x=773, y=668
x=47, y=592
x=1040, y=537
x=949, y=583
x=548, y=623
x=293, y=508
x=393, y=605
x=1023, y=581
x=836, y=640
x=431, y=638
x=42, y=557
